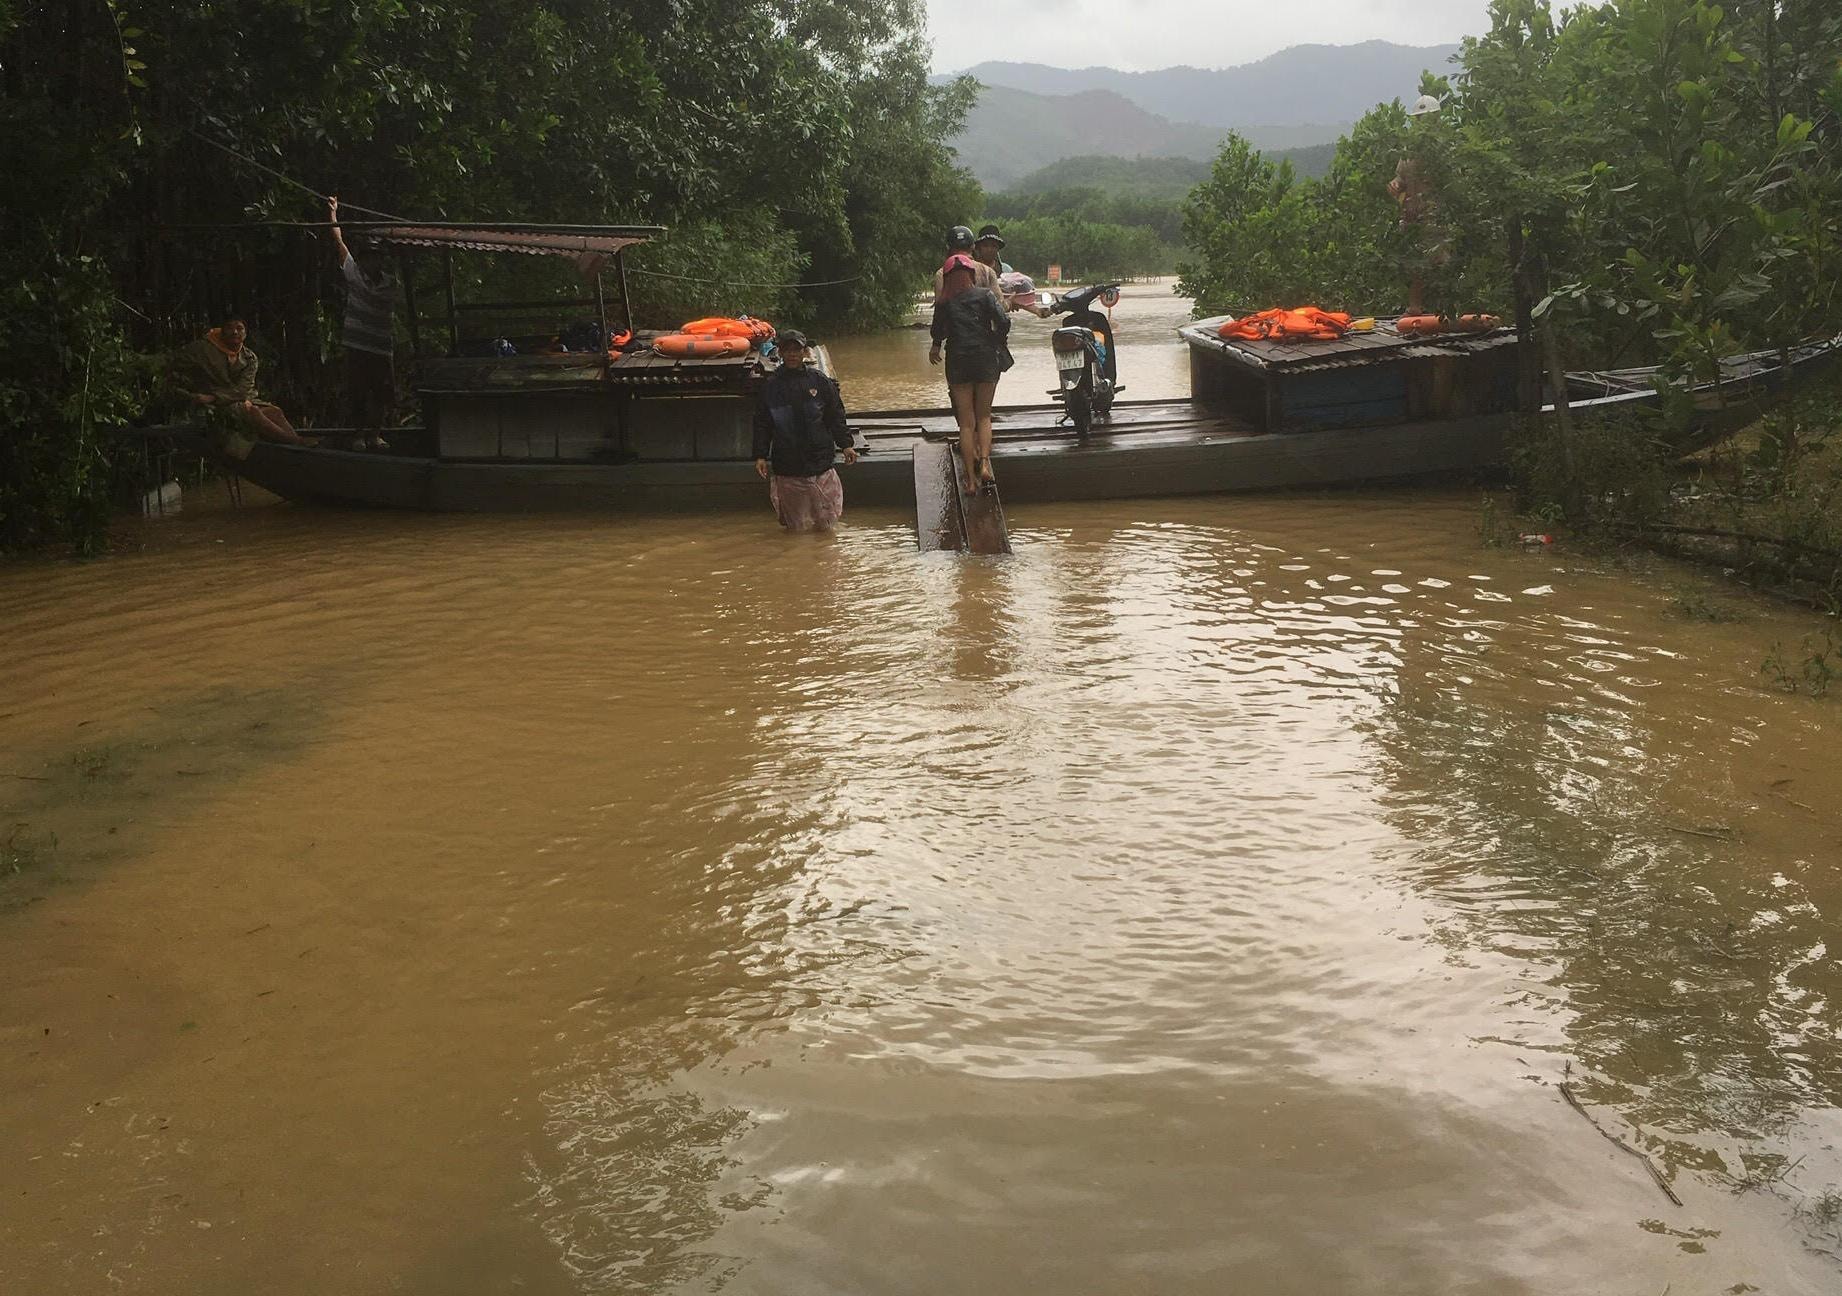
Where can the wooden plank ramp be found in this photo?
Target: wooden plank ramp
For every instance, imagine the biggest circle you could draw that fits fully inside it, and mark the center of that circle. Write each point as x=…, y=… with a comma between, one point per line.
x=946, y=517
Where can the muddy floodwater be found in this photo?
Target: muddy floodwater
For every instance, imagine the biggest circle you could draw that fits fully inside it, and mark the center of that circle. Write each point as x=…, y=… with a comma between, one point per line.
x=1213, y=897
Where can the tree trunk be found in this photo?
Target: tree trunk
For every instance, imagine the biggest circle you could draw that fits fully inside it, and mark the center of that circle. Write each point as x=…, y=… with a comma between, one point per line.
x=1563, y=414
x=1526, y=284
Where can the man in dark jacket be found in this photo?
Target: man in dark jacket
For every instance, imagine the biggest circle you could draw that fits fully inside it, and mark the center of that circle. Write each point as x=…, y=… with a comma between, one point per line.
x=798, y=427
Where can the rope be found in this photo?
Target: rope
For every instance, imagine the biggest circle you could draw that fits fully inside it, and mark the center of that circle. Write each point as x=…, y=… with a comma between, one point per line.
x=737, y=283
x=287, y=179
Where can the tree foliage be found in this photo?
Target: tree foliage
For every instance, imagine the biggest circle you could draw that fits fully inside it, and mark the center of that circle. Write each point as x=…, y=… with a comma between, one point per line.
x=1661, y=175
x=1097, y=216
x=785, y=141
x=1085, y=249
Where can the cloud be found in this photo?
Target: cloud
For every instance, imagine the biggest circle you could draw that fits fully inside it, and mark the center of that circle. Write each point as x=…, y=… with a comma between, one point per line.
x=1144, y=34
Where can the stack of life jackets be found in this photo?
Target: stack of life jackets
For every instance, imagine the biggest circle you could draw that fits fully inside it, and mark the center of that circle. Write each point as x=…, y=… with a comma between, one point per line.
x=756, y=331
x=1282, y=325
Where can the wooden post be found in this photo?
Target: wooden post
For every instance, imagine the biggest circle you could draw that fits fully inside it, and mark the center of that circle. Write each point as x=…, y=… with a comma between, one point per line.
x=1528, y=354
x=1557, y=385
x=406, y=271
x=626, y=302
x=447, y=270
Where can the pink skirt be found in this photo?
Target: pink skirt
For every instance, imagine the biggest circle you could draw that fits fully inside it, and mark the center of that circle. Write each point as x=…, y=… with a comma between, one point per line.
x=807, y=503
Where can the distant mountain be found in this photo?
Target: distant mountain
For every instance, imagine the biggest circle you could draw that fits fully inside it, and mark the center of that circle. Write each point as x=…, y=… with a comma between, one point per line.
x=1310, y=162
x=1012, y=133
x=1296, y=87
x=1148, y=178
x=1144, y=177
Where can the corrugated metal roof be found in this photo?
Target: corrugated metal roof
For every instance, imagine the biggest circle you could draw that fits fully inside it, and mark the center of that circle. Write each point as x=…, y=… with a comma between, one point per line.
x=1383, y=346
x=540, y=240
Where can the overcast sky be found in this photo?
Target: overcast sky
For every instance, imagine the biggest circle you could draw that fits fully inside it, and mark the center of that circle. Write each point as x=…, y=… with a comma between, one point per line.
x=1143, y=34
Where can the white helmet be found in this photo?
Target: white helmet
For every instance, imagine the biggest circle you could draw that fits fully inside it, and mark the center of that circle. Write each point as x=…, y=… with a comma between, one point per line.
x=1424, y=105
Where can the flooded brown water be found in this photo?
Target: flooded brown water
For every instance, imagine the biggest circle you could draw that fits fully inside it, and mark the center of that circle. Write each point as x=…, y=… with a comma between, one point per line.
x=1209, y=898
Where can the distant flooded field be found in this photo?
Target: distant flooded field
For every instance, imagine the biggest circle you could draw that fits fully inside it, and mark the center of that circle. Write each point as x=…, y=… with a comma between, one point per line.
x=1213, y=897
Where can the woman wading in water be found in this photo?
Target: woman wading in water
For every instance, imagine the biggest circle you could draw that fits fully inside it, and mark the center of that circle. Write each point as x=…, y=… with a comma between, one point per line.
x=971, y=322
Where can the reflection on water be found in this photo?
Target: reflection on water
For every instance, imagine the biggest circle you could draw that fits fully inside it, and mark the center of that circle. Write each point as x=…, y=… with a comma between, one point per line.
x=1207, y=898
x=1651, y=859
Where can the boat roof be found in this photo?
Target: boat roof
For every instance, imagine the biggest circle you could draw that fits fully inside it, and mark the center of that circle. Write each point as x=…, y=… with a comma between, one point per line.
x=540, y=240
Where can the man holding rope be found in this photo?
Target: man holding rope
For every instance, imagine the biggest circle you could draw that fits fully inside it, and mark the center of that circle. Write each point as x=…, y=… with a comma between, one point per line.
x=371, y=293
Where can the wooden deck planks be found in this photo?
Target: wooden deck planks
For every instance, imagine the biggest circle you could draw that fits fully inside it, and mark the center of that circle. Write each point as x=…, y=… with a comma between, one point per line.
x=1043, y=422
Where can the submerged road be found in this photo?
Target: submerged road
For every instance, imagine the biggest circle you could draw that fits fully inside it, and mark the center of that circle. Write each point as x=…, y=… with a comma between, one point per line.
x=1211, y=896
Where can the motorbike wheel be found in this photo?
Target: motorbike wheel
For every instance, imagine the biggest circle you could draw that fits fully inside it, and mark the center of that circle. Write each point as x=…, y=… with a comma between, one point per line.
x=1081, y=407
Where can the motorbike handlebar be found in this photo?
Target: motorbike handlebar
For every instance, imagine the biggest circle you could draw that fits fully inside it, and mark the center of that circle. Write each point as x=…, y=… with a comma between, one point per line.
x=1079, y=299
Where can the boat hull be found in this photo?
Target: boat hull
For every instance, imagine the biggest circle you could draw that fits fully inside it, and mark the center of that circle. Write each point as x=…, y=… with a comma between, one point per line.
x=1150, y=449
x=1184, y=455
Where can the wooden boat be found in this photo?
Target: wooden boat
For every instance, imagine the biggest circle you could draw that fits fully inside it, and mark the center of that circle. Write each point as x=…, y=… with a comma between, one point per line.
x=638, y=430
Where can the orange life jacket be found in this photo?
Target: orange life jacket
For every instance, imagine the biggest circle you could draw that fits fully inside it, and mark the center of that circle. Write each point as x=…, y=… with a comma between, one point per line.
x=754, y=330
x=1281, y=324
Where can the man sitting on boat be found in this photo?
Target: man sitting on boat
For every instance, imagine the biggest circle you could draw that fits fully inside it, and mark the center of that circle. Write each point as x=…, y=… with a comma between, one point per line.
x=799, y=426
x=217, y=373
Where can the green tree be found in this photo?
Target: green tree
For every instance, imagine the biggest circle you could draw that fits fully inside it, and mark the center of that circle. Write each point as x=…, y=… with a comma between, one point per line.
x=1261, y=237
x=785, y=141
x=1662, y=173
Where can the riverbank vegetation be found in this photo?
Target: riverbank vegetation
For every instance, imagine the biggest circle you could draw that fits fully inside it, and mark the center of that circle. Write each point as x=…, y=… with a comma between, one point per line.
x=1112, y=217
x=1644, y=182
x=1097, y=217
x=785, y=144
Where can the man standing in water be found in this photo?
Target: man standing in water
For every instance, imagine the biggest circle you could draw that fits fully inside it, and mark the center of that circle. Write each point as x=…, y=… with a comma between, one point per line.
x=798, y=427
x=371, y=293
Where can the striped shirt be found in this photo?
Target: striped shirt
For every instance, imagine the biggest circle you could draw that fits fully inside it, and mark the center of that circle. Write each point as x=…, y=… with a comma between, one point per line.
x=368, y=310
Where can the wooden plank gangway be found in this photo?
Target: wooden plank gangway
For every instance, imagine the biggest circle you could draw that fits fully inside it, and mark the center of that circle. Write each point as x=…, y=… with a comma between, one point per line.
x=1045, y=422
x=948, y=518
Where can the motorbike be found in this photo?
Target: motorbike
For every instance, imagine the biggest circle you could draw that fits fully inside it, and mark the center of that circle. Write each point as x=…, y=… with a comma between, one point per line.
x=1086, y=357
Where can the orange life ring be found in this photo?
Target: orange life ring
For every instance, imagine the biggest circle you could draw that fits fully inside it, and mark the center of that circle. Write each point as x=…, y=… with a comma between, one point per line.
x=691, y=346
x=1424, y=325
x=1415, y=325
